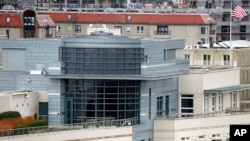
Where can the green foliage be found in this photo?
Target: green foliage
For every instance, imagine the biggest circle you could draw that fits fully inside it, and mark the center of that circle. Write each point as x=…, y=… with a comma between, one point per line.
x=33, y=124
x=25, y=128
x=9, y=114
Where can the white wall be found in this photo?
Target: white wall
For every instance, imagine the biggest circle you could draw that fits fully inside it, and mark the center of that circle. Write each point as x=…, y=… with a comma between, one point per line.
x=95, y=134
x=24, y=102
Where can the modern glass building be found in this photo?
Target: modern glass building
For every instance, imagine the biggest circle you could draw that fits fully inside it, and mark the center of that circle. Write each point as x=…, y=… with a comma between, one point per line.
x=110, y=57
x=98, y=76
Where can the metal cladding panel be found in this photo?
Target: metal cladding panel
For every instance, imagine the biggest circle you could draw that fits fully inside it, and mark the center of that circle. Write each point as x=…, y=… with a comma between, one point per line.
x=14, y=59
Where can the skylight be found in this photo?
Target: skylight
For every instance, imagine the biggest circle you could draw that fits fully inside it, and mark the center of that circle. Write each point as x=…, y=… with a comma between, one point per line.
x=8, y=19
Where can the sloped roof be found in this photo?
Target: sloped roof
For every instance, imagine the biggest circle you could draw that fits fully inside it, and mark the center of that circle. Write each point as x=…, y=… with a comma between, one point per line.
x=44, y=20
x=104, y=17
x=132, y=18
x=10, y=20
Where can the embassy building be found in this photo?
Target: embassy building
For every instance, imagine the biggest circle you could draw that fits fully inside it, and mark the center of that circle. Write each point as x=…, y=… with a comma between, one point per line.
x=98, y=76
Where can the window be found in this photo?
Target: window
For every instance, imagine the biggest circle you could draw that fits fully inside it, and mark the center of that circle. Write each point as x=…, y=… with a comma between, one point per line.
x=220, y=102
x=242, y=36
x=118, y=27
x=77, y=28
x=149, y=105
x=201, y=137
x=167, y=105
x=205, y=103
x=128, y=29
x=58, y=28
x=29, y=21
x=225, y=28
x=216, y=137
x=243, y=28
x=162, y=30
x=187, y=103
x=234, y=99
x=139, y=29
x=159, y=105
x=203, y=30
x=206, y=59
x=226, y=60
x=187, y=56
x=185, y=138
x=213, y=102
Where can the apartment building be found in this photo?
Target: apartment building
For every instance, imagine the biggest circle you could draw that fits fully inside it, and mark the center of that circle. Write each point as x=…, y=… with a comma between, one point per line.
x=139, y=25
x=26, y=24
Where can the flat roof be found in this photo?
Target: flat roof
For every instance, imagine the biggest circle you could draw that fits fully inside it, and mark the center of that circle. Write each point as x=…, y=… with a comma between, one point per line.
x=228, y=89
x=116, y=77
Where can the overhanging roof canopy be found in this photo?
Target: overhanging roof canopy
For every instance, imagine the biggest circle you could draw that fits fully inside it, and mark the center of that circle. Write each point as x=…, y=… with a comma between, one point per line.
x=229, y=89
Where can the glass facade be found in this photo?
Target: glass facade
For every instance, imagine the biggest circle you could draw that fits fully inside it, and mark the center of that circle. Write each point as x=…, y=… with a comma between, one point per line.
x=102, y=61
x=118, y=99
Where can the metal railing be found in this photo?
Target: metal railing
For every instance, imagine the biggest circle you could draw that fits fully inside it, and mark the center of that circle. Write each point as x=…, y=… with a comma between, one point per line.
x=69, y=127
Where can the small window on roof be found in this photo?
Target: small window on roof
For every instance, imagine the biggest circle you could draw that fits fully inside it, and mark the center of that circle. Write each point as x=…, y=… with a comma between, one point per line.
x=45, y=20
x=69, y=16
x=8, y=19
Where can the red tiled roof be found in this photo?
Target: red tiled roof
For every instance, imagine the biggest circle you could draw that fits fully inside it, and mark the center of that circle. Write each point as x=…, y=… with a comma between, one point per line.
x=118, y=18
x=135, y=18
x=14, y=20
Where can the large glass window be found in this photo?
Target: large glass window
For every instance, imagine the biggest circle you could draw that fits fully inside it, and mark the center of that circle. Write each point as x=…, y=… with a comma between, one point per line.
x=118, y=99
x=102, y=61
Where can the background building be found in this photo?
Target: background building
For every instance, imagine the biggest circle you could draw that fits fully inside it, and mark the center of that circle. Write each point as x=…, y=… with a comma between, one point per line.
x=222, y=56
x=139, y=25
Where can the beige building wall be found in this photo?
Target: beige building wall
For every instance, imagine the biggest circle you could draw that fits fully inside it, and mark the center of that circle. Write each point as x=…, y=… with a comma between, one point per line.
x=189, y=32
x=240, y=57
x=196, y=83
x=198, y=128
x=13, y=32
